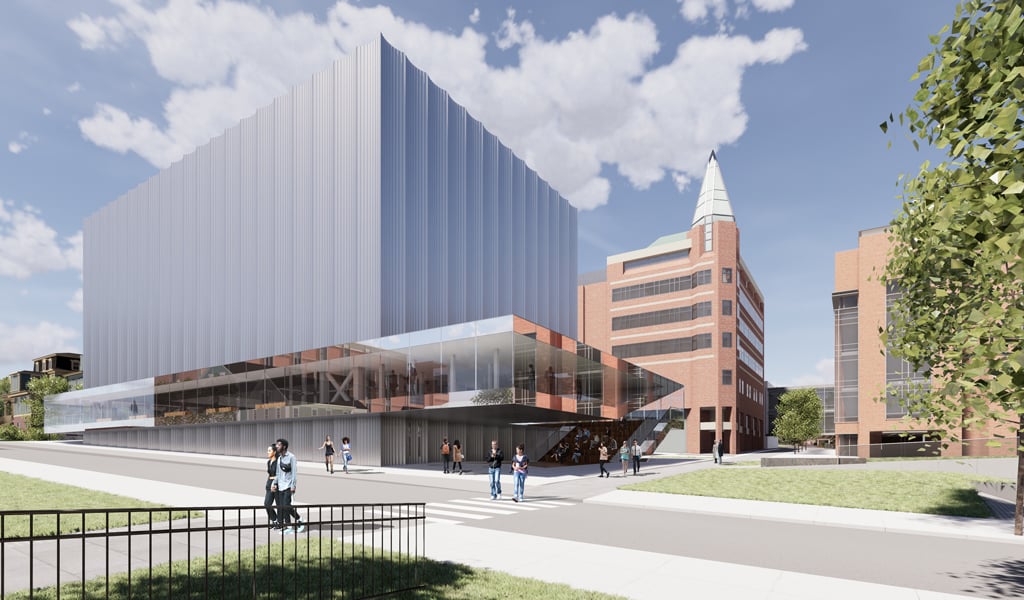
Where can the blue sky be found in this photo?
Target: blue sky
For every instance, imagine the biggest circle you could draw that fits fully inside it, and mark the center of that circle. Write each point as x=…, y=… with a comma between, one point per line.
x=616, y=103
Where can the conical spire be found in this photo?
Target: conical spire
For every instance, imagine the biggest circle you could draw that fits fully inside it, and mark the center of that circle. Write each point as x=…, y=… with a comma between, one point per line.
x=713, y=202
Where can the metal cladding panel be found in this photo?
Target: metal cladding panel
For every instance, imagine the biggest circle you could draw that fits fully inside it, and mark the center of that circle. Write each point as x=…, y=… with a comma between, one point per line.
x=505, y=271
x=437, y=206
x=216, y=303
x=263, y=211
x=368, y=252
x=532, y=248
x=392, y=191
x=204, y=249
x=232, y=247
x=544, y=256
x=490, y=267
x=417, y=252
x=346, y=240
x=284, y=252
x=248, y=236
x=519, y=240
x=324, y=200
x=302, y=225
x=456, y=213
x=474, y=219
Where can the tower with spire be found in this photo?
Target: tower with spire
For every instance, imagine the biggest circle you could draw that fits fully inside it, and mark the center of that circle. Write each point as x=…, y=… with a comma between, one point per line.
x=688, y=308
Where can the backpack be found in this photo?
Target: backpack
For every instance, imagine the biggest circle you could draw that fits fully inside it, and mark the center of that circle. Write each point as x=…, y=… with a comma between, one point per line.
x=444, y=449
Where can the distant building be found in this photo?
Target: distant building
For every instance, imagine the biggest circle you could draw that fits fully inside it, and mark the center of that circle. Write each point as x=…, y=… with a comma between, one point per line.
x=59, y=364
x=687, y=308
x=870, y=382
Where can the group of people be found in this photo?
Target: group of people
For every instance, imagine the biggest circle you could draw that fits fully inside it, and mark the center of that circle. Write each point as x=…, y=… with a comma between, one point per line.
x=718, y=451
x=520, y=469
x=282, y=473
x=451, y=455
x=628, y=453
x=346, y=454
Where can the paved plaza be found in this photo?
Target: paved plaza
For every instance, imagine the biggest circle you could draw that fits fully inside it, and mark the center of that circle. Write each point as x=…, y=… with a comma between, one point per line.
x=578, y=529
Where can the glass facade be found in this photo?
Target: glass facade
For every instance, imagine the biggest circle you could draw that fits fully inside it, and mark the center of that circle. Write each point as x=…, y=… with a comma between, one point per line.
x=846, y=352
x=492, y=361
x=901, y=380
x=662, y=317
x=664, y=286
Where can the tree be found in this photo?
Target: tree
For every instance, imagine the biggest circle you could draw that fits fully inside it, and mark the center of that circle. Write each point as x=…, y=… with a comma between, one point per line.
x=800, y=415
x=38, y=389
x=5, y=389
x=959, y=237
x=495, y=396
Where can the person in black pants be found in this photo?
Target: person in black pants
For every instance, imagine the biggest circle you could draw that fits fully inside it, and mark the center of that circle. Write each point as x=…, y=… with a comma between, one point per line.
x=268, y=499
x=636, y=452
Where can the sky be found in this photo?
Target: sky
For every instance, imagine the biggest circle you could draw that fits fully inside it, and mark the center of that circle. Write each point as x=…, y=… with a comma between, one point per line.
x=617, y=104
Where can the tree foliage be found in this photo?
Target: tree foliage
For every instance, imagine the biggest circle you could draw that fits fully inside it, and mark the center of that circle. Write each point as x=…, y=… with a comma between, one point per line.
x=800, y=415
x=38, y=389
x=494, y=396
x=959, y=237
x=5, y=389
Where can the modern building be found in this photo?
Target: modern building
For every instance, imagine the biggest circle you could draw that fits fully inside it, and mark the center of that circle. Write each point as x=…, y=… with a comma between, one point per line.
x=361, y=246
x=871, y=417
x=827, y=394
x=688, y=308
x=59, y=364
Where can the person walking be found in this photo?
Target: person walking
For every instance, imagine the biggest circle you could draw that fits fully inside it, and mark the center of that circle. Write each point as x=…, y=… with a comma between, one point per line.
x=721, y=452
x=446, y=454
x=602, y=459
x=494, y=460
x=269, y=496
x=284, y=486
x=636, y=453
x=346, y=454
x=714, y=451
x=457, y=456
x=520, y=467
x=328, y=448
x=624, y=457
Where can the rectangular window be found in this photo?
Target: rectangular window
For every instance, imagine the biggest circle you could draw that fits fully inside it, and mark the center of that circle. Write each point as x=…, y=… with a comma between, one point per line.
x=726, y=376
x=664, y=286
x=726, y=308
x=673, y=346
x=655, y=260
x=727, y=339
x=726, y=275
x=661, y=317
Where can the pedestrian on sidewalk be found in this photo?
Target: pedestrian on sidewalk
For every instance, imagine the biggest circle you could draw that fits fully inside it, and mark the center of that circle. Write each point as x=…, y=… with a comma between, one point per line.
x=721, y=452
x=636, y=453
x=446, y=454
x=624, y=457
x=328, y=448
x=284, y=485
x=602, y=459
x=714, y=451
x=494, y=460
x=520, y=467
x=269, y=497
x=346, y=454
x=457, y=456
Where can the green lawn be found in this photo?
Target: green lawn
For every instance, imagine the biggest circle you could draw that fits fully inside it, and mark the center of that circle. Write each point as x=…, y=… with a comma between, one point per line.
x=310, y=568
x=27, y=493
x=928, y=493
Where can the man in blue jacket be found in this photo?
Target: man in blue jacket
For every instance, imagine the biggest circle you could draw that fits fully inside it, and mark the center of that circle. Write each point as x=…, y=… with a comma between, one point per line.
x=287, y=473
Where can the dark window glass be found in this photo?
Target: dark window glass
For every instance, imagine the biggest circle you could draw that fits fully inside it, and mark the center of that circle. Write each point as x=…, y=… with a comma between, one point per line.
x=726, y=308
x=727, y=339
x=673, y=346
x=665, y=286
x=726, y=376
x=726, y=275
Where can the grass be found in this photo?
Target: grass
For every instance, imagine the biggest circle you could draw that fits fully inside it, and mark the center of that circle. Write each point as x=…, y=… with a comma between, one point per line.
x=918, y=492
x=319, y=568
x=28, y=493
x=962, y=458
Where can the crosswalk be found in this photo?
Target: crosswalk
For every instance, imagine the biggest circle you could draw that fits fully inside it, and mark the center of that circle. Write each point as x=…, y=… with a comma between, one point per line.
x=454, y=512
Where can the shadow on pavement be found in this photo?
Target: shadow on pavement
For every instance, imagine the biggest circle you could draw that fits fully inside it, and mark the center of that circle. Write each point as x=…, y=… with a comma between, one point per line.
x=1002, y=578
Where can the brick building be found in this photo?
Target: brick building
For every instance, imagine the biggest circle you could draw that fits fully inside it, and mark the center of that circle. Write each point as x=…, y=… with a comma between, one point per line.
x=687, y=308
x=870, y=420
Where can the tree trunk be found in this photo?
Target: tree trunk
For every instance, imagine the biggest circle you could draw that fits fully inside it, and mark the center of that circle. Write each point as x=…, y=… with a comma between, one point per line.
x=1018, y=512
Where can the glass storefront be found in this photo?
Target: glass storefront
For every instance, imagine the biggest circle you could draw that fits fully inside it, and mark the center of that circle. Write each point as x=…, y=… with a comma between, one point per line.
x=493, y=361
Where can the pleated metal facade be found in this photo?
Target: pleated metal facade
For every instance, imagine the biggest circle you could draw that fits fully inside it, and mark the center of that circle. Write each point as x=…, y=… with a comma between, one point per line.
x=364, y=203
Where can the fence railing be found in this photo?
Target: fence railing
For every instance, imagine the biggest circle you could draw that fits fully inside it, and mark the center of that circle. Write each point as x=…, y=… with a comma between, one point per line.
x=337, y=551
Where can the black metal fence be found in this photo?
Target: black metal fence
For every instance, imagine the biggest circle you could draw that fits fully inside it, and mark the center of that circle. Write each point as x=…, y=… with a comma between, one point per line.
x=336, y=551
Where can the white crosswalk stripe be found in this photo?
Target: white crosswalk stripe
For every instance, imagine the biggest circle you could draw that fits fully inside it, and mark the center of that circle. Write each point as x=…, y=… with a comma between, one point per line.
x=452, y=512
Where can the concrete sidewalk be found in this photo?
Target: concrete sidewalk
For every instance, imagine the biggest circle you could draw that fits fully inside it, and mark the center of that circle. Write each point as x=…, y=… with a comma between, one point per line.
x=628, y=572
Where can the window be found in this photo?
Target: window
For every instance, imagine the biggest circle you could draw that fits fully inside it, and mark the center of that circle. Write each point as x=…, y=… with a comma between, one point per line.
x=661, y=317
x=726, y=376
x=726, y=275
x=673, y=346
x=664, y=286
x=726, y=308
x=655, y=260
x=727, y=339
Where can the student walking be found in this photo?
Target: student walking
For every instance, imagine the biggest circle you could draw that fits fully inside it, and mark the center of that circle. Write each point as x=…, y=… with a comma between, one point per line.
x=624, y=457
x=714, y=451
x=346, y=454
x=457, y=456
x=284, y=486
x=269, y=497
x=328, y=448
x=494, y=460
x=520, y=467
x=636, y=453
x=446, y=454
x=602, y=459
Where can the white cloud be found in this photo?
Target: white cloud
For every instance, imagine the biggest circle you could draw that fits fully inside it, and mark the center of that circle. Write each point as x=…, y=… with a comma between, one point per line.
x=25, y=139
x=772, y=5
x=824, y=374
x=74, y=87
x=474, y=17
x=19, y=344
x=28, y=245
x=700, y=10
x=570, y=105
x=15, y=147
x=46, y=111
x=75, y=303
